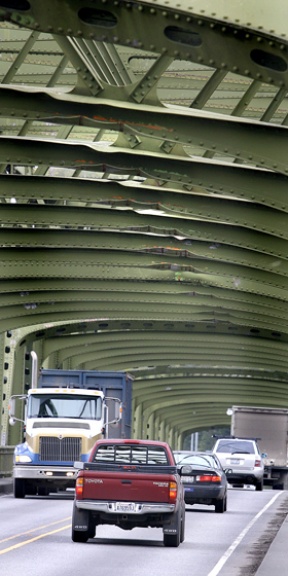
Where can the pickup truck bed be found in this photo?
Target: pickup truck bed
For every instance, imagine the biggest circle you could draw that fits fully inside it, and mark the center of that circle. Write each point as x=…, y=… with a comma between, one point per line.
x=129, y=483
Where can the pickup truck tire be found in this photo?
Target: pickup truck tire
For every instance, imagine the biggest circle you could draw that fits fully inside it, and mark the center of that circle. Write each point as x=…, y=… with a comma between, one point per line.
x=82, y=518
x=182, y=529
x=19, y=488
x=173, y=540
x=78, y=536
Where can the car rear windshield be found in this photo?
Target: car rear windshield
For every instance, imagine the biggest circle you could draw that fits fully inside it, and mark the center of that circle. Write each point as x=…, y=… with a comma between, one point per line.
x=131, y=454
x=194, y=460
x=232, y=447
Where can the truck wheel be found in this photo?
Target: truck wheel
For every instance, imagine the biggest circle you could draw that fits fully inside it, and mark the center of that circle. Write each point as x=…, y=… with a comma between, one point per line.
x=182, y=530
x=43, y=491
x=82, y=518
x=173, y=540
x=31, y=490
x=19, y=488
x=78, y=536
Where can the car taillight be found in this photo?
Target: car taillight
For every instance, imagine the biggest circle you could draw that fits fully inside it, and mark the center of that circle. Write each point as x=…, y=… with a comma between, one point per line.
x=257, y=463
x=79, y=487
x=208, y=478
x=172, y=491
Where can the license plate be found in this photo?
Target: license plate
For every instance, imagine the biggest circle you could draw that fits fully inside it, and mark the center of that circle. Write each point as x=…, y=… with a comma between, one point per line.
x=235, y=461
x=187, y=479
x=125, y=507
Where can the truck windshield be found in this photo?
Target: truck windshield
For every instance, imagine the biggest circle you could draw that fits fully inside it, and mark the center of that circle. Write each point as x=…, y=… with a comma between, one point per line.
x=64, y=406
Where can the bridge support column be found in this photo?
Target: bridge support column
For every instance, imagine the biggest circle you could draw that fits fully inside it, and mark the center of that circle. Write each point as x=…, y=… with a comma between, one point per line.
x=137, y=431
x=156, y=428
x=162, y=437
x=151, y=427
x=12, y=380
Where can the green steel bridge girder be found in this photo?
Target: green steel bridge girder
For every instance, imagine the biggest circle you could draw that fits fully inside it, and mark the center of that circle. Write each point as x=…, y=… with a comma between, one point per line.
x=148, y=268
x=186, y=253
x=100, y=341
x=198, y=224
x=177, y=351
x=194, y=390
x=194, y=308
x=187, y=171
x=247, y=140
x=167, y=404
x=34, y=318
x=175, y=355
x=96, y=249
x=191, y=422
x=232, y=182
x=151, y=27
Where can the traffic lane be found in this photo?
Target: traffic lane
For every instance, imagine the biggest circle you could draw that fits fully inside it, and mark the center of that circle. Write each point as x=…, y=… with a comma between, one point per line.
x=40, y=541
x=30, y=513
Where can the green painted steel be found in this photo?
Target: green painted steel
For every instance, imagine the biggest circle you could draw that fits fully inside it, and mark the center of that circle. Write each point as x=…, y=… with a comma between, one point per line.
x=143, y=193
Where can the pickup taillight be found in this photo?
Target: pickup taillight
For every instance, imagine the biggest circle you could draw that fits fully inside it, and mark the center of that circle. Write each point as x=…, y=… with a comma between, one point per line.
x=79, y=487
x=172, y=492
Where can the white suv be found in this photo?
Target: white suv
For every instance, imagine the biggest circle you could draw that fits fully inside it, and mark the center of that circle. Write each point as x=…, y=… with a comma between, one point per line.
x=241, y=459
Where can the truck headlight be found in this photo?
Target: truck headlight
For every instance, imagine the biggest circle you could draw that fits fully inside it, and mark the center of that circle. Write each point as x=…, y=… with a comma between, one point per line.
x=22, y=459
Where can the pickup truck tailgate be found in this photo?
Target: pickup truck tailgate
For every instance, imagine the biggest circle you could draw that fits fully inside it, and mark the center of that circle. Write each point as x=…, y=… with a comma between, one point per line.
x=127, y=486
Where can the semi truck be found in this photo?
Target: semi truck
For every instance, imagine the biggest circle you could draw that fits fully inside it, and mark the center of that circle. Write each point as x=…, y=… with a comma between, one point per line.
x=269, y=426
x=65, y=412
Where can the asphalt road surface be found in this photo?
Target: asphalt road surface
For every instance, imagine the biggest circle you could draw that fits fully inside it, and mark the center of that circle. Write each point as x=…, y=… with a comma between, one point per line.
x=36, y=540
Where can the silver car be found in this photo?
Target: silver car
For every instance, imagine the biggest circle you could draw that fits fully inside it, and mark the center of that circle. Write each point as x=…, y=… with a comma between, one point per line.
x=244, y=460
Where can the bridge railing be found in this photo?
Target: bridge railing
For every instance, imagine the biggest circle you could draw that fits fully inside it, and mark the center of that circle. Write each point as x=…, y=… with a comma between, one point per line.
x=6, y=461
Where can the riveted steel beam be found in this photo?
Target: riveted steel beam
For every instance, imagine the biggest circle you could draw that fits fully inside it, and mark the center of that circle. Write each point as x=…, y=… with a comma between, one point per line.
x=111, y=266
x=185, y=171
x=260, y=306
x=252, y=141
x=103, y=260
x=184, y=32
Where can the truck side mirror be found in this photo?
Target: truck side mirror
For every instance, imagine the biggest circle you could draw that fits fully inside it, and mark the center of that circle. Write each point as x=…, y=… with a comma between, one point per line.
x=118, y=411
x=11, y=410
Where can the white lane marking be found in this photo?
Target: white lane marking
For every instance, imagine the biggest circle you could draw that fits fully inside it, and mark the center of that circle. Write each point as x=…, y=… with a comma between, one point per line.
x=239, y=538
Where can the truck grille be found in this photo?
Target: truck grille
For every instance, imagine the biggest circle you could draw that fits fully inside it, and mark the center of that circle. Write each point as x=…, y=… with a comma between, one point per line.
x=61, y=450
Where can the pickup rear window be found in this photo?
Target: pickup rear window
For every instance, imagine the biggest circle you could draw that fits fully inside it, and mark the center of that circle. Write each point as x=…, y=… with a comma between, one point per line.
x=131, y=454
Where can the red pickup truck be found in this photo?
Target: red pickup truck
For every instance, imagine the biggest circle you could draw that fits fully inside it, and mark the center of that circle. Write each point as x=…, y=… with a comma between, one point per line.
x=129, y=484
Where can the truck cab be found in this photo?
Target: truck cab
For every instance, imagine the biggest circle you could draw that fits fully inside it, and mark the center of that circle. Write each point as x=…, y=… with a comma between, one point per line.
x=61, y=426
x=65, y=413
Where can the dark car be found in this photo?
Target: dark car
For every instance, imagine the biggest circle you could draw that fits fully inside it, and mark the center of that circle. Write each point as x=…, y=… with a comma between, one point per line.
x=206, y=482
